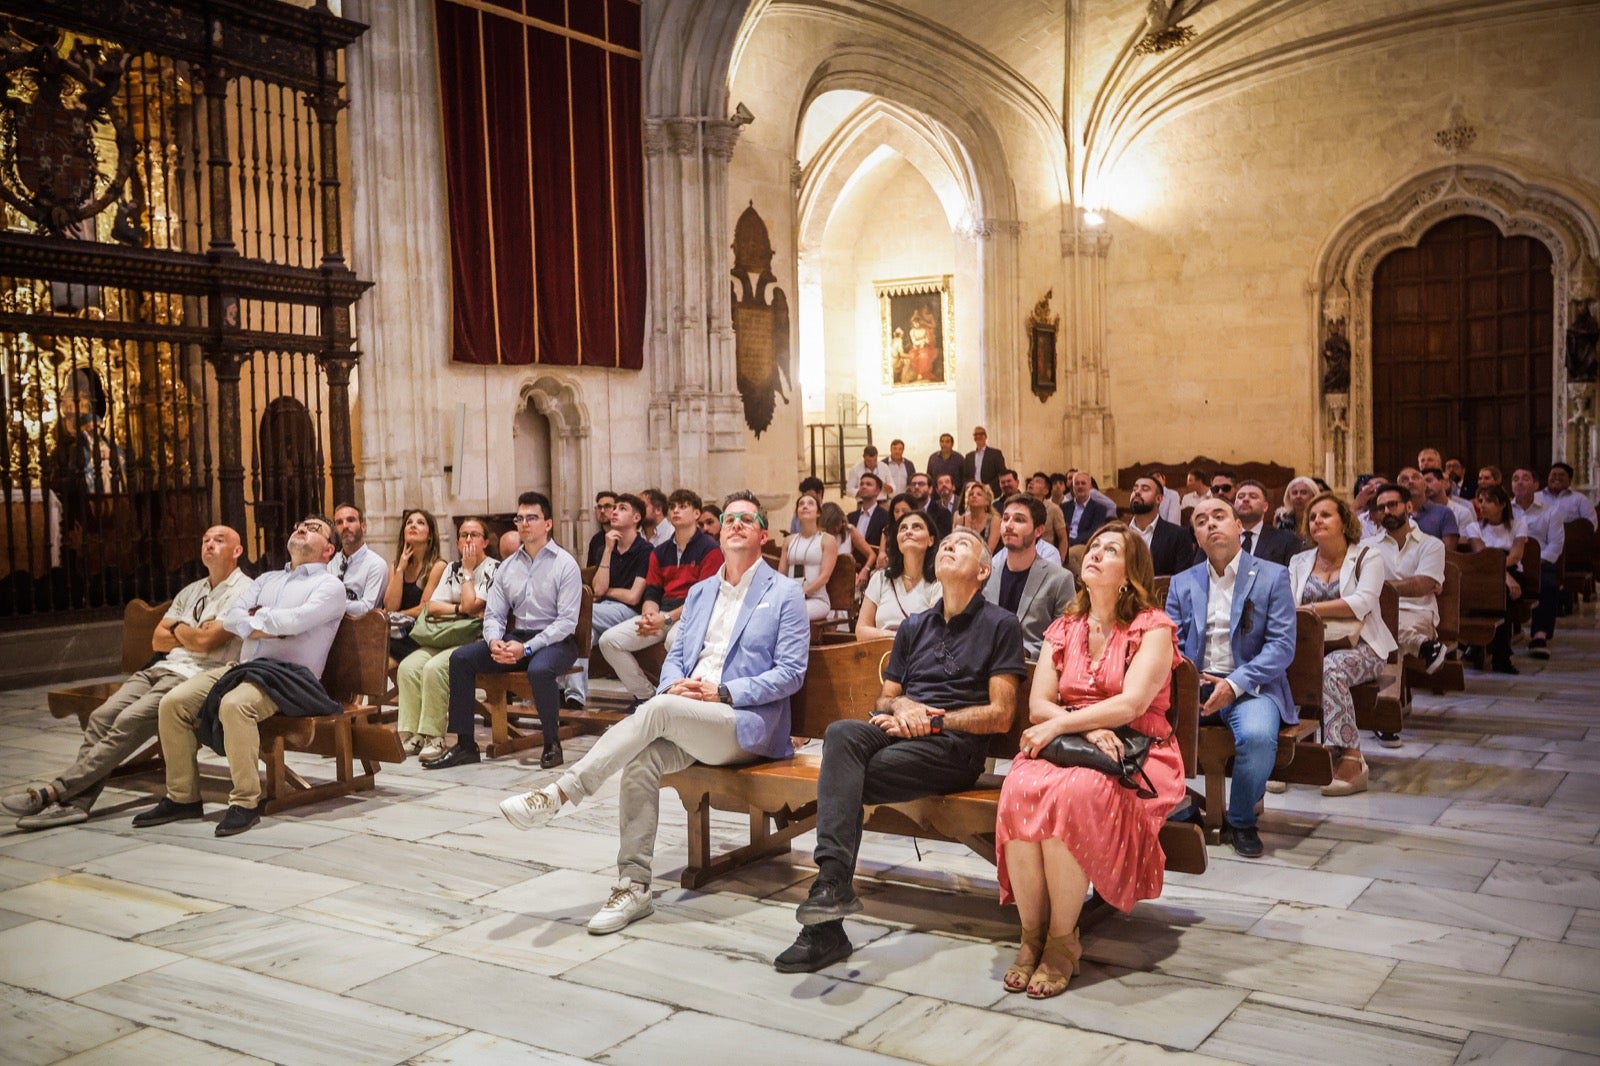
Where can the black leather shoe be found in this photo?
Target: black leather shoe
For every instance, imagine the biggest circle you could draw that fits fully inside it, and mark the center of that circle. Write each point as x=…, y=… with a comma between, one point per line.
x=551, y=758
x=828, y=901
x=166, y=811
x=570, y=702
x=460, y=755
x=1245, y=841
x=816, y=948
x=1539, y=647
x=237, y=819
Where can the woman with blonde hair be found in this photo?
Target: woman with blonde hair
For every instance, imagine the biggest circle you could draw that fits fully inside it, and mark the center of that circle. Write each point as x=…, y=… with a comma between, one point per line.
x=979, y=514
x=1296, y=500
x=1104, y=673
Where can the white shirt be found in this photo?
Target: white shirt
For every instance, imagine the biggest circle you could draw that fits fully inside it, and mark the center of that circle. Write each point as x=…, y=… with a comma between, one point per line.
x=662, y=534
x=865, y=521
x=1422, y=555
x=1570, y=506
x=1498, y=536
x=196, y=604
x=1465, y=513
x=1189, y=499
x=895, y=604
x=899, y=474
x=881, y=472
x=719, y=632
x=299, y=610
x=365, y=576
x=1544, y=527
x=1149, y=533
x=1218, y=654
x=1171, y=507
x=449, y=588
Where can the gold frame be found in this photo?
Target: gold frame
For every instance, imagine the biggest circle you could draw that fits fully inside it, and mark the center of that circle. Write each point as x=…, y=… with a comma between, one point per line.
x=935, y=285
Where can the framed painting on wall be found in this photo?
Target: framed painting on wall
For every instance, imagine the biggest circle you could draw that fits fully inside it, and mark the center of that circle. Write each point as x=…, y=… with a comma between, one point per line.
x=918, y=331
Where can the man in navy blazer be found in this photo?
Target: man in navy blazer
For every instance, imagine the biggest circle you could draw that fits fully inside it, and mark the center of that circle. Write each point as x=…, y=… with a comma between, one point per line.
x=1083, y=513
x=1235, y=617
x=723, y=699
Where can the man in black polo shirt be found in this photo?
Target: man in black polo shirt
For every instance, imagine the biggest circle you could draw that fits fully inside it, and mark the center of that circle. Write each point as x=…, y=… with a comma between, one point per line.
x=952, y=680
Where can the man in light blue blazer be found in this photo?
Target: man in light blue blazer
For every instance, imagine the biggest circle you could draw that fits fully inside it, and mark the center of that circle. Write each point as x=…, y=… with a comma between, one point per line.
x=742, y=649
x=1235, y=617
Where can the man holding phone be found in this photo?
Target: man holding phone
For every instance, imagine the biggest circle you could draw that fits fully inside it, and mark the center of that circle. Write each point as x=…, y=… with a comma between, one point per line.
x=1236, y=622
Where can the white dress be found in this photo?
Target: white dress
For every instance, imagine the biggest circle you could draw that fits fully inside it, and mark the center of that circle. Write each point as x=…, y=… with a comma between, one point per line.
x=894, y=603
x=805, y=566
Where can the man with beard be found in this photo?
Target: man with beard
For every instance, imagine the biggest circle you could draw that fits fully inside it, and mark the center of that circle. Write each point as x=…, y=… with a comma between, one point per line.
x=1023, y=581
x=362, y=571
x=1055, y=524
x=1260, y=537
x=1415, y=562
x=1172, y=547
x=942, y=508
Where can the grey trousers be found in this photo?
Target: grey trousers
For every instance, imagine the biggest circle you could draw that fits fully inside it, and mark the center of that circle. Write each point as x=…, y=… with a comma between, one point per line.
x=666, y=734
x=116, y=729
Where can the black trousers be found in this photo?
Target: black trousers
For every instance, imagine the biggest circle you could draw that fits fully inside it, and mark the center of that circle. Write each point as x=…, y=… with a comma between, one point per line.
x=543, y=667
x=863, y=764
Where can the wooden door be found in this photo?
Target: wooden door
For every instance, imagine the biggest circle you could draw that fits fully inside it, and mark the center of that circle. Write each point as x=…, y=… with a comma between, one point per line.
x=1461, y=349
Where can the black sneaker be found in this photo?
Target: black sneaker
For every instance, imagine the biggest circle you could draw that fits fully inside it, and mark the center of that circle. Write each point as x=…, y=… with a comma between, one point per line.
x=1245, y=840
x=828, y=901
x=237, y=819
x=569, y=702
x=816, y=948
x=1539, y=647
x=1433, y=654
x=166, y=811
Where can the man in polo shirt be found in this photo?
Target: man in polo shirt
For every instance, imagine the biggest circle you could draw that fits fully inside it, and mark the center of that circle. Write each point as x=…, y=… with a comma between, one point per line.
x=723, y=700
x=1415, y=564
x=361, y=570
x=538, y=590
x=952, y=680
x=1434, y=519
x=1559, y=495
x=1436, y=486
x=686, y=557
x=190, y=639
x=286, y=616
x=618, y=586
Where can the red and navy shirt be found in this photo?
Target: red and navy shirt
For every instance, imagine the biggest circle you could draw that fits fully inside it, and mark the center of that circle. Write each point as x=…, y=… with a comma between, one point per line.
x=672, y=573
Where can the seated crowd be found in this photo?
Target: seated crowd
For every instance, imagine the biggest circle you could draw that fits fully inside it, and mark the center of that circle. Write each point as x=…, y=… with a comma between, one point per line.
x=981, y=579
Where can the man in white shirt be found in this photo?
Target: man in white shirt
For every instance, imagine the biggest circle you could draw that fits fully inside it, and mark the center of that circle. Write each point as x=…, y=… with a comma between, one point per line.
x=869, y=465
x=897, y=469
x=361, y=570
x=1196, y=487
x=1546, y=527
x=723, y=699
x=655, y=526
x=1559, y=495
x=287, y=616
x=190, y=638
x=1415, y=563
x=1171, y=507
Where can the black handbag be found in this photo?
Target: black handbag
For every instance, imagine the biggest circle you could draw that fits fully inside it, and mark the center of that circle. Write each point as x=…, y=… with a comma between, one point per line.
x=1074, y=749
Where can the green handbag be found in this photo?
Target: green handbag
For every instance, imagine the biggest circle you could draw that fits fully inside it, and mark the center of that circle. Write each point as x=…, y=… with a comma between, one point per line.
x=442, y=633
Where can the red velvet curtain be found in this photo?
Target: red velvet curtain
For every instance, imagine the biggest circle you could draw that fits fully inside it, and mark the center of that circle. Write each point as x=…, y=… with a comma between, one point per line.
x=543, y=126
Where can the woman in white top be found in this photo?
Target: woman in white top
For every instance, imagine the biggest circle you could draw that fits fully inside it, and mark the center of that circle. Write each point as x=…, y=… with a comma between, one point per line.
x=906, y=586
x=1499, y=527
x=808, y=557
x=462, y=592
x=1343, y=583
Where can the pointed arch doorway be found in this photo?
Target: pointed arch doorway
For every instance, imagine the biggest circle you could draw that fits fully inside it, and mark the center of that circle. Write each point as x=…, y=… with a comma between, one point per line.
x=1461, y=348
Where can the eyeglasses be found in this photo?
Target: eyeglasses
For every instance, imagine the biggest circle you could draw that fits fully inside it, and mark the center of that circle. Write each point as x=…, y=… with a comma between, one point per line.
x=469, y=536
x=743, y=518
x=315, y=527
x=527, y=519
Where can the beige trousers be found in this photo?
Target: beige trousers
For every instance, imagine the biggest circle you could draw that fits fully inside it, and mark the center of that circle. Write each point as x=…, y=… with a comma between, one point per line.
x=241, y=710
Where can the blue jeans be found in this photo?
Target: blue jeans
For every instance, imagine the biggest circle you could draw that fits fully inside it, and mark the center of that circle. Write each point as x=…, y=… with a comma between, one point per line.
x=1254, y=721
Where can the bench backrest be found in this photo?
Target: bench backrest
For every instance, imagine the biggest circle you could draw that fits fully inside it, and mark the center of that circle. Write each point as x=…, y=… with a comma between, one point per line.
x=139, y=622
x=1483, y=582
x=1531, y=561
x=1449, y=602
x=1582, y=545
x=1389, y=611
x=1305, y=671
x=1159, y=591
x=842, y=585
x=358, y=661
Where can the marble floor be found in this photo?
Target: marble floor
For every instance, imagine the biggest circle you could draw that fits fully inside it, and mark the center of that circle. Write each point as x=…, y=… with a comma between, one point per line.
x=1450, y=915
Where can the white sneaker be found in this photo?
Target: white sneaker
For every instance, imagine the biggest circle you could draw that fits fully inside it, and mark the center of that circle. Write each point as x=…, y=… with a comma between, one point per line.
x=629, y=901
x=531, y=809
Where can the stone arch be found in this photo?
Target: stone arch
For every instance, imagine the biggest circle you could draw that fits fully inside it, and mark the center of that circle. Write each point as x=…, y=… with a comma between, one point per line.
x=560, y=401
x=1343, y=284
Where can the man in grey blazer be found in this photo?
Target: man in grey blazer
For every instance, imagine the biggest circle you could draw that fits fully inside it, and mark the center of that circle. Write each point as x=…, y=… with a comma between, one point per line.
x=1034, y=590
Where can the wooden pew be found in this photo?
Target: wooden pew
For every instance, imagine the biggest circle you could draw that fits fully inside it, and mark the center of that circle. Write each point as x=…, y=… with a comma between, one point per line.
x=1519, y=612
x=841, y=598
x=1483, y=594
x=1580, y=554
x=1382, y=705
x=355, y=676
x=780, y=797
x=1450, y=677
x=514, y=726
x=1301, y=758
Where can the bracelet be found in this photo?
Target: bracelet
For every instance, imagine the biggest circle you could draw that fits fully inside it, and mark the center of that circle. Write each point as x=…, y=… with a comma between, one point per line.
x=602, y=566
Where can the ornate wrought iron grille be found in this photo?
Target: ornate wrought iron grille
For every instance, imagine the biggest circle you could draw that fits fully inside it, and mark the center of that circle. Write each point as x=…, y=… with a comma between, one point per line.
x=175, y=304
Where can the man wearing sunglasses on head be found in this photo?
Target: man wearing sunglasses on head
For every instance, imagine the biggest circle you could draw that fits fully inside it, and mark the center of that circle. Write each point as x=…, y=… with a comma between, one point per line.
x=742, y=649
x=189, y=640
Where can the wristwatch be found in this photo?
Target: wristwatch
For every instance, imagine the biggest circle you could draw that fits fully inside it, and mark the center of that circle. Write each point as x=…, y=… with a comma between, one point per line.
x=936, y=723
x=724, y=696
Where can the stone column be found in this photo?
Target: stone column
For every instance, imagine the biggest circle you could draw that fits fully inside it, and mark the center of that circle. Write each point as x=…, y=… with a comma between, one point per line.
x=1000, y=343
x=1089, y=428
x=695, y=417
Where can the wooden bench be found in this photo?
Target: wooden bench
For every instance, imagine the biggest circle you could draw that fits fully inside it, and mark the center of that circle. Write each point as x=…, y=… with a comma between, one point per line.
x=780, y=797
x=841, y=600
x=514, y=726
x=1483, y=594
x=1449, y=677
x=1302, y=759
x=1579, y=555
x=355, y=676
x=1382, y=705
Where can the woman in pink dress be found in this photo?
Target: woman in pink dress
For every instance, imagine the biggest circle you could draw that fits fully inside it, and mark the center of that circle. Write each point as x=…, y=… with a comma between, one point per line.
x=1107, y=663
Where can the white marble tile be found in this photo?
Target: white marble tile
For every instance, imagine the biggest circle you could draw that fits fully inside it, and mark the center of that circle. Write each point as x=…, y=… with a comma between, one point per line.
x=1385, y=937
x=542, y=1011
x=1185, y=906
x=1484, y=1049
x=1244, y=878
x=1546, y=884
x=737, y=988
x=1414, y=866
x=925, y=964
x=1269, y=1036
x=734, y=926
x=333, y=959
x=14, y=872
x=1367, y=1017
x=102, y=905
x=40, y=1029
x=1517, y=820
x=1463, y=841
x=1473, y=753
x=1467, y=910
x=61, y=961
x=157, y=1047
x=219, y=877
x=1152, y=1007
x=425, y=868
x=552, y=845
x=66, y=848
x=1372, y=806
x=1581, y=791
x=1242, y=961
x=936, y=1033
x=1585, y=929
x=686, y=1038
x=413, y=821
x=1563, y=965
x=470, y=799
x=481, y=1049
x=1522, y=1010
x=11, y=919
x=525, y=942
x=392, y=913
x=276, y=1020
x=567, y=895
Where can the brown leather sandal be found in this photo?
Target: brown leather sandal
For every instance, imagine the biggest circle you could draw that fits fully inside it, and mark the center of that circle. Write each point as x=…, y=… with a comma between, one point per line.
x=1028, y=954
x=1057, y=966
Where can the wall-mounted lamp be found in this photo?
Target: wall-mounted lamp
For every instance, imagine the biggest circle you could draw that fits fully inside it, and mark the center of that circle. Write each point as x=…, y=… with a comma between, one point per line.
x=1093, y=219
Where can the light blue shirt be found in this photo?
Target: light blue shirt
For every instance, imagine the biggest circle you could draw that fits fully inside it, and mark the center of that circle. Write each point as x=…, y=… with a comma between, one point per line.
x=299, y=610
x=543, y=594
x=366, y=578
